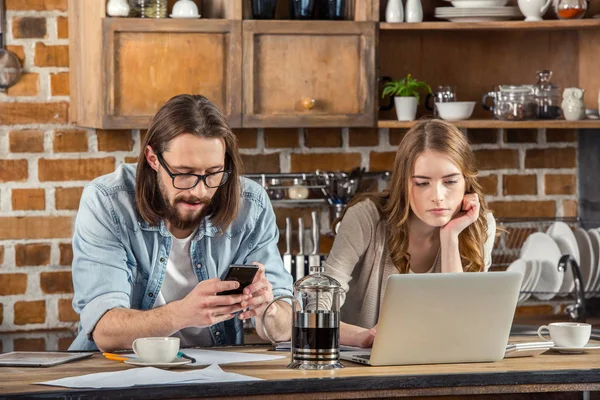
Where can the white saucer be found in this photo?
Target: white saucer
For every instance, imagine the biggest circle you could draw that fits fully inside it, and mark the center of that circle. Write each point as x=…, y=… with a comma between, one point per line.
x=175, y=363
x=576, y=350
x=185, y=16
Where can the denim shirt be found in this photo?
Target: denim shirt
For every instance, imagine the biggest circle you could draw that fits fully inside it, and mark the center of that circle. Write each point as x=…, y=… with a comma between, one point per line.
x=119, y=260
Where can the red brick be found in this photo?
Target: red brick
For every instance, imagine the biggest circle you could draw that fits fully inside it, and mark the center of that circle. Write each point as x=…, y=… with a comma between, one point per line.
x=75, y=169
x=396, y=135
x=28, y=199
x=56, y=282
x=29, y=28
x=382, y=161
x=114, y=140
x=497, y=159
x=363, y=137
x=551, y=158
x=130, y=160
x=67, y=198
x=519, y=184
x=560, y=184
x=66, y=253
x=30, y=312
x=523, y=209
x=35, y=254
x=13, y=170
x=1, y=321
x=1, y=255
x=51, y=55
x=70, y=141
x=13, y=284
x=247, y=138
x=561, y=135
x=27, y=85
x=569, y=208
x=66, y=312
x=281, y=137
x=323, y=137
x=489, y=184
x=62, y=27
x=35, y=227
x=261, y=163
x=59, y=84
x=326, y=162
x=26, y=141
x=37, y=5
x=482, y=136
x=64, y=343
x=520, y=136
x=17, y=51
x=29, y=344
x=33, y=113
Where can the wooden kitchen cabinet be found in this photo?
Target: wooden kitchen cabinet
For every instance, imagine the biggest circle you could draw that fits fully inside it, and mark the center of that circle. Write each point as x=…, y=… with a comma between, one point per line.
x=309, y=73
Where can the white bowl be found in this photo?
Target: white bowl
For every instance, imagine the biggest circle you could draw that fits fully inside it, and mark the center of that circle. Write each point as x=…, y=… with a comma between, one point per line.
x=478, y=3
x=185, y=9
x=455, y=110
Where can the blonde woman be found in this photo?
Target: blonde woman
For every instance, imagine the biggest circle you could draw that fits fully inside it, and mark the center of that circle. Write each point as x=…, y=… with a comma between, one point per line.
x=432, y=219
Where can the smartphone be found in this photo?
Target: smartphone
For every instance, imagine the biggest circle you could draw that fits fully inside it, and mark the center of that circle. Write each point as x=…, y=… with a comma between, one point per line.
x=244, y=274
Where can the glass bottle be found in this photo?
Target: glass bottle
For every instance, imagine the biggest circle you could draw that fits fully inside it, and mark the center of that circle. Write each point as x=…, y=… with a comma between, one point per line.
x=547, y=96
x=570, y=9
x=148, y=8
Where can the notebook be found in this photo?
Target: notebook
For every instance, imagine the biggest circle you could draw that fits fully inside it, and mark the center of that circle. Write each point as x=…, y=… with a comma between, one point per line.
x=443, y=318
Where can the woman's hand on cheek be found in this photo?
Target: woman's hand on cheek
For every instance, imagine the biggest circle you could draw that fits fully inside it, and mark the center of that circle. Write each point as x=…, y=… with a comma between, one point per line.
x=468, y=214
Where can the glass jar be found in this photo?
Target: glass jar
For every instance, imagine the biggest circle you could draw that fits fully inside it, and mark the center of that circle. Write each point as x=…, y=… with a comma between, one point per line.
x=512, y=103
x=570, y=9
x=275, y=192
x=148, y=8
x=298, y=191
x=547, y=96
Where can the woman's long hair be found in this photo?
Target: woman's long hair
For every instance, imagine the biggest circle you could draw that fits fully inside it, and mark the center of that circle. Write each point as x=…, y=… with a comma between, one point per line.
x=393, y=204
x=196, y=115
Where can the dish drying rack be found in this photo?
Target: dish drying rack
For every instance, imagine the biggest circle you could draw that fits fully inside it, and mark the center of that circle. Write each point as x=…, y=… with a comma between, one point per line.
x=507, y=249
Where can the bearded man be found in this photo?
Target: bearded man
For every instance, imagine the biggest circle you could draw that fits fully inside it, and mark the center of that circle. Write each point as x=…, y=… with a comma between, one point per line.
x=152, y=241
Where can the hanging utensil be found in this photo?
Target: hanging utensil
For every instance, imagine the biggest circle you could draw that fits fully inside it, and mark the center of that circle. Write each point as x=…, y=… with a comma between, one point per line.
x=10, y=66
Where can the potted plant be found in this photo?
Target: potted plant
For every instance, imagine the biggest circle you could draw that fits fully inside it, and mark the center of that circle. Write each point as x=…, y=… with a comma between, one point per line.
x=406, y=96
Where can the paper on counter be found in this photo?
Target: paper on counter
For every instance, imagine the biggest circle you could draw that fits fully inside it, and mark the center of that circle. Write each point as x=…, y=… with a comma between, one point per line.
x=148, y=376
x=208, y=357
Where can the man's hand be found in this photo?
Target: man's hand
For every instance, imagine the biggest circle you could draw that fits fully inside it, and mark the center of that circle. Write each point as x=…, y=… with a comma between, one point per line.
x=260, y=294
x=468, y=214
x=202, y=307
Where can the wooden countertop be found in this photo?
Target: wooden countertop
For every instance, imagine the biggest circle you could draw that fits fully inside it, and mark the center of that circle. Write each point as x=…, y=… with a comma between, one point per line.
x=549, y=372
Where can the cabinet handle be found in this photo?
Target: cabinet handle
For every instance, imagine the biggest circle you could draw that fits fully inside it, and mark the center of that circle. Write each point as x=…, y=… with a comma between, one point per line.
x=308, y=103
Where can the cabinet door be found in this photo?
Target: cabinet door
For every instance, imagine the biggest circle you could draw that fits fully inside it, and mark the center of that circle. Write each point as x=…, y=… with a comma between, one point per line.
x=149, y=61
x=293, y=65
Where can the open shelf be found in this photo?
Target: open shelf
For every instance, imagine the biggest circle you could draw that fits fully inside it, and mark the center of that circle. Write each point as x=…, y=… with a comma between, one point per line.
x=492, y=123
x=494, y=25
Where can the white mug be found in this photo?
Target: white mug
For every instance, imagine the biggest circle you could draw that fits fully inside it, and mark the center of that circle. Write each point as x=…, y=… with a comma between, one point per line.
x=156, y=349
x=533, y=10
x=567, y=334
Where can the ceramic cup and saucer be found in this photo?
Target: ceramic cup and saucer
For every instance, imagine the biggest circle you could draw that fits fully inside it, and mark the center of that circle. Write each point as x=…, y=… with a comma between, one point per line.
x=569, y=337
x=185, y=9
x=160, y=352
x=175, y=363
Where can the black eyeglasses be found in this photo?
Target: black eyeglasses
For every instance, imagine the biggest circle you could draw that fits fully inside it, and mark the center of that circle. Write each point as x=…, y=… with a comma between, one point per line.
x=189, y=181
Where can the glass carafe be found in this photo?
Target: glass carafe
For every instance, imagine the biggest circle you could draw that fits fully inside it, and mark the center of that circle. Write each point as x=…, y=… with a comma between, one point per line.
x=570, y=9
x=315, y=321
x=547, y=96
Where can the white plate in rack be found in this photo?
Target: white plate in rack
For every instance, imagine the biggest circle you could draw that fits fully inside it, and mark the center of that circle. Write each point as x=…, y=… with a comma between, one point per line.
x=586, y=252
x=541, y=247
x=595, y=240
x=565, y=239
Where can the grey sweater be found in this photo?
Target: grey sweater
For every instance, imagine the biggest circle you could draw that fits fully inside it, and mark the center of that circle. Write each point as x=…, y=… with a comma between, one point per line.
x=360, y=261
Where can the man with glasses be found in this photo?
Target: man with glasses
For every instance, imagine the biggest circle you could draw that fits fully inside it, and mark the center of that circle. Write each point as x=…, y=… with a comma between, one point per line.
x=151, y=242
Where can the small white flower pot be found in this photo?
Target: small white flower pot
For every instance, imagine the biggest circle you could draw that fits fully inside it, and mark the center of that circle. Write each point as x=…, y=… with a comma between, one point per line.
x=406, y=108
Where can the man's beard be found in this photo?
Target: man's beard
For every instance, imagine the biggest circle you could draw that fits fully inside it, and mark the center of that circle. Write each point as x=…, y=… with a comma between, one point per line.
x=173, y=214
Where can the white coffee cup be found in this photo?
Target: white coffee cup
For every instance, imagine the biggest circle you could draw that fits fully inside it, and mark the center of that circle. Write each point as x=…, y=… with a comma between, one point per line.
x=567, y=334
x=533, y=10
x=156, y=349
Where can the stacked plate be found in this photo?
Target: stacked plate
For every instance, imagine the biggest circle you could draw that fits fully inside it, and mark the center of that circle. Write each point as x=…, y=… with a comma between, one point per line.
x=477, y=11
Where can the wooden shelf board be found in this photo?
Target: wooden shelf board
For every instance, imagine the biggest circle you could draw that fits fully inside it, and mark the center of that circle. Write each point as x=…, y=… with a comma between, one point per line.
x=494, y=25
x=491, y=123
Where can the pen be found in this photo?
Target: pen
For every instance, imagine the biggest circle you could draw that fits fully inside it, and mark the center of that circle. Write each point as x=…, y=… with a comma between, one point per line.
x=115, y=357
x=183, y=355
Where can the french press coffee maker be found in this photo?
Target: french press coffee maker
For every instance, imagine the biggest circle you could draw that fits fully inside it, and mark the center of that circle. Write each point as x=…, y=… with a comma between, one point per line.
x=315, y=321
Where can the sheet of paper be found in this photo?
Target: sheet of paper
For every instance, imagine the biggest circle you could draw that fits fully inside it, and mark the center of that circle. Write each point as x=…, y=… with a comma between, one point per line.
x=208, y=357
x=148, y=376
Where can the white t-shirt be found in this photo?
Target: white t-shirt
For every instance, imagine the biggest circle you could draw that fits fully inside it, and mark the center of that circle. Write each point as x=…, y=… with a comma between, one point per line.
x=180, y=279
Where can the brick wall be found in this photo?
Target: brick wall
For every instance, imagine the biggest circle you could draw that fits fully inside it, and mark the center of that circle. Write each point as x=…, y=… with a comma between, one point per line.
x=45, y=162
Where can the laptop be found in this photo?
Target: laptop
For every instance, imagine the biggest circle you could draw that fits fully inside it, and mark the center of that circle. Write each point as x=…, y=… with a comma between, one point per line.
x=443, y=318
